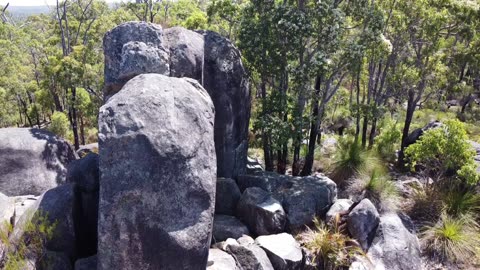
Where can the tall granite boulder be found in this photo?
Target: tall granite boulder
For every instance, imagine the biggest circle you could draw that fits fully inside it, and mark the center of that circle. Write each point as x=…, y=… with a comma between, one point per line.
x=32, y=161
x=135, y=48
x=157, y=167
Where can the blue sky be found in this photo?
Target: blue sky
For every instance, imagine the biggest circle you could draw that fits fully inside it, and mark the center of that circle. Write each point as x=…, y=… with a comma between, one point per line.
x=37, y=2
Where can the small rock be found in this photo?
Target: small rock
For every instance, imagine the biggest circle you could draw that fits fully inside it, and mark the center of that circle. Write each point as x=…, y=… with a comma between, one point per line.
x=338, y=207
x=362, y=221
x=220, y=260
x=89, y=263
x=250, y=256
x=261, y=212
x=283, y=251
x=253, y=166
x=227, y=196
x=225, y=227
x=244, y=240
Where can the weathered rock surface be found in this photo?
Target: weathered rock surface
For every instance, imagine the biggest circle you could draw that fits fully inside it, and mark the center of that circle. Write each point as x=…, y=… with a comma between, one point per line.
x=32, y=161
x=225, y=227
x=362, y=222
x=261, y=212
x=136, y=48
x=283, y=251
x=157, y=165
x=394, y=247
x=268, y=181
x=7, y=209
x=250, y=256
x=84, y=173
x=89, y=263
x=227, y=196
x=253, y=166
x=338, y=207
x=118, y=60
x=220, y=260
x=304, y=198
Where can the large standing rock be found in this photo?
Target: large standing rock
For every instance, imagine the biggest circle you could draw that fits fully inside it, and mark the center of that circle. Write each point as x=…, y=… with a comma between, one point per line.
x=32, y=161
x=136, y=48
x=283, y=251
x=220, y=260
x=362, y=222
x=157, y=165
x=394, y=247
x=131, y=49
x=225, y=227
x=227, y=196
x=268, y=181
x=85, y=175
x=261, y=212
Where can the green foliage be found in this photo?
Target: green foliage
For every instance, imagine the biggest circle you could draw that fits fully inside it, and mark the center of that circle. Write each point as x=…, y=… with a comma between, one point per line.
x=331, y=248
x=443, y=150
x=37, y=230
x=388, y=141
x=454, y=239
x=59, y=124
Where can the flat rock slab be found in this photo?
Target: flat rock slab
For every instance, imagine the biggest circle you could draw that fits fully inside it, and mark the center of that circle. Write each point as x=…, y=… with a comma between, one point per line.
x=283, y=251
x=220, y=260
x=32, y=161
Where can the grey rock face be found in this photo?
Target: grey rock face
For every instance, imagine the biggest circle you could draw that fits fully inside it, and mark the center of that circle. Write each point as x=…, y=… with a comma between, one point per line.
x=253, y=166
x=304, y=198
x=89, y=263
x=362, y=222
x=283, y=251
x=338, y=207
x=394, y=247
x=250, y=256
x=84, y=173
x=268, y=181
x=261, y=212
x=157, y=165
x=54, y=208
x=220, y=260
x=120, y=63
x=32, y=161
x=225, y=227
x=227, y=196
x=136, y=48
x=7, y=209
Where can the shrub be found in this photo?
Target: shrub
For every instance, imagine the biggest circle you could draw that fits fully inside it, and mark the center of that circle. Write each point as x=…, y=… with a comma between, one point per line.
x=60, y=124
x=330, y=248
x=36, y=232
x=453, y=239
x=457, y=203
x=378, y=188
x=426, y=205
x=350, y=160
x=443, y=151
x=388, y=141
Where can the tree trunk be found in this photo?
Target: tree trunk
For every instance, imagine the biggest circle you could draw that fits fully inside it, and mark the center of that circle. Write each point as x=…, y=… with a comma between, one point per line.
x=373, y=130
x=82, y=129
x=406, y=128
x=357, y=129
x=314, y=130
x=74, y=119
x=267, y=155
